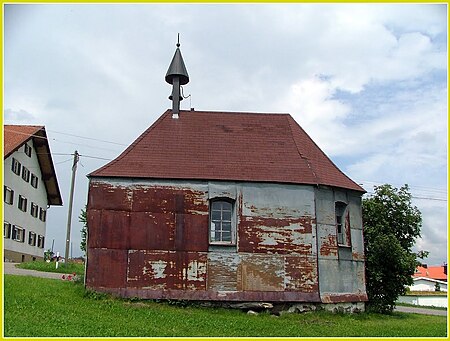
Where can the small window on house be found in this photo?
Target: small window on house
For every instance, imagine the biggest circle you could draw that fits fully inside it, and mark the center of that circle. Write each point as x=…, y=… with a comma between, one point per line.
x=25, y=174
x=27, y=149
x=34, y=210
x=342, y=225
x=32, y=238
x=22, y=204
x=7, y=230
x=16, y=166
x=8, y=195
x=18, y=234
x=40, y=241
x=222, y=223
x=34, y=180
x=42, y=214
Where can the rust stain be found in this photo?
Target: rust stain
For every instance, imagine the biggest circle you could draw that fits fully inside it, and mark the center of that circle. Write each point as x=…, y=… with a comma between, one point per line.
x=106, y=268
x=110, y=197
x=166, y=270
x=222, y=271
x=167, y=199
x=329, y=246
x=290, y=235
x=336, y=298
x=261, y=273
x=358, y=256
x=301, y=274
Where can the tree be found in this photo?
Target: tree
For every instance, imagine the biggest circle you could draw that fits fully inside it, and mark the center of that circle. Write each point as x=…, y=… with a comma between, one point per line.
x=391, y=226
x=82, y=218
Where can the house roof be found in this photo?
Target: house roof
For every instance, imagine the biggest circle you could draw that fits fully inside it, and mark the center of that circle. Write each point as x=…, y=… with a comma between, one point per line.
x=433, y=272
x=227, y=146
x=14, y=137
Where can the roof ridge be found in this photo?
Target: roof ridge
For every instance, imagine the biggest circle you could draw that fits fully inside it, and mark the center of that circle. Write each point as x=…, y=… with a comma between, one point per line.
x=236, y=112
x=299, y=152
x=325, y=155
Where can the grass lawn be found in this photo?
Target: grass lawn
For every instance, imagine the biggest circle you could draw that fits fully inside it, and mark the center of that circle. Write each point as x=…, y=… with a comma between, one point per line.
x=45, y=307
x=51, y=267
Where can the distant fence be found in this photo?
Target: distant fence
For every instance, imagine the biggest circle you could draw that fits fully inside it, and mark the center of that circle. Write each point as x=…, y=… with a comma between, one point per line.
x=424, y=300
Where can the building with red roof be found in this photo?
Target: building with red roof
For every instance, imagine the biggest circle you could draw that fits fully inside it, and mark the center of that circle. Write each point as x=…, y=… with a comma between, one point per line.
x=437, y=272
x=225, y=206
x=30, y=188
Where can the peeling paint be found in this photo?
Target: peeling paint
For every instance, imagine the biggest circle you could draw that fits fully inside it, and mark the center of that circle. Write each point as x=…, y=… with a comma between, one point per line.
x=151, y=240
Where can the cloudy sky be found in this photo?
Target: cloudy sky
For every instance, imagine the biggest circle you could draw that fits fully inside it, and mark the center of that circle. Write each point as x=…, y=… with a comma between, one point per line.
x=368, y=82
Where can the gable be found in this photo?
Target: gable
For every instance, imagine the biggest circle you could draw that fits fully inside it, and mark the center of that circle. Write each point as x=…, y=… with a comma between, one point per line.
x=15, y=136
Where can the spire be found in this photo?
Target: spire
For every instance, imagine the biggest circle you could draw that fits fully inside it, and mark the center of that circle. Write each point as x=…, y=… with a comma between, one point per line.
x=176, y=75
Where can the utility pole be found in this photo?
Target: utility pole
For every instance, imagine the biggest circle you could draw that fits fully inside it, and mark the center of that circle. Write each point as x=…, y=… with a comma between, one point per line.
x=76, y=157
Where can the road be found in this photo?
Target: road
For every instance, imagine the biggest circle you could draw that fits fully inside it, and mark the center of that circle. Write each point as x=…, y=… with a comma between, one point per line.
x=423, y=311
x=10, y=269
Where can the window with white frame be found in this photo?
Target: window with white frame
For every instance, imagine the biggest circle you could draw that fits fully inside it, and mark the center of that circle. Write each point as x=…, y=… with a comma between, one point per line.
x=7, y=227
x=8, y=195
x=34, y=180
x=342, y=226
x=27, y=149
x=34, y=210
x=16, y=166
x=32, y=238
x=42, y=214
x=22, y=203
x=222, y=223
x=25, y=174
x=18, y=233
x=40, y=241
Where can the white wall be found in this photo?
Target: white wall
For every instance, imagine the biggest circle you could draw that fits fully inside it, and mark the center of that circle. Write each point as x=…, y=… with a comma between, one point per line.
x=427, y=285
x=428, y=300
x=12, y=213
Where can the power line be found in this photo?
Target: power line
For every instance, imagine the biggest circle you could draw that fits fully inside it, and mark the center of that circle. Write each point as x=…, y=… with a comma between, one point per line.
x=415, y=197
x=69, y=142
x=88, y=138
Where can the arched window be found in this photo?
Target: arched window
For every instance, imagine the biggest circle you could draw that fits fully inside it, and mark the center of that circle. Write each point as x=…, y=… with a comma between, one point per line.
x=222, y=222
x=342, y=225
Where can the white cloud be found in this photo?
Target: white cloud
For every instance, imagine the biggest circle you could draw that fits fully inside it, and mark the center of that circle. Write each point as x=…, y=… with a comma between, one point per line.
x=17, y=116
x=359, y=78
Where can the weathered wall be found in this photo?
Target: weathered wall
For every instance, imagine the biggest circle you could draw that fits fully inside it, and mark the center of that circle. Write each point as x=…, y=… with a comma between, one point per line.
x=150, y=239
x=341, y=268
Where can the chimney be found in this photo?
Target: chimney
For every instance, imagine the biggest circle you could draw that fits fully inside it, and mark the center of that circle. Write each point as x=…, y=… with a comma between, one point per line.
x=445, y=268
x=177, y=75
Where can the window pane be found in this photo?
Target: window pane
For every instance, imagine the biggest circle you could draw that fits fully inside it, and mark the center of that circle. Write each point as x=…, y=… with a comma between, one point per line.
x=226, y=236
x=216, y=206
x=226, y=206
x=226, y=215
x=226, y=226
x=215, y=215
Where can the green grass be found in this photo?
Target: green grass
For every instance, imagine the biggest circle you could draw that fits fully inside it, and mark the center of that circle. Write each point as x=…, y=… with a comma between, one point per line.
x=45, y=307
x=51, y=267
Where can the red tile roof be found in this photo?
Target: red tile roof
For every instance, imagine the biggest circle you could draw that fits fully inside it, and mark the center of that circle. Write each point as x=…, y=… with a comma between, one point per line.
x=434, y=272
x=227, y=146
x=14, y=136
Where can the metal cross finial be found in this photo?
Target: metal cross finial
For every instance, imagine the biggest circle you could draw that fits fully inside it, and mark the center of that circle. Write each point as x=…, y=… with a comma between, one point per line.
x=178, y=43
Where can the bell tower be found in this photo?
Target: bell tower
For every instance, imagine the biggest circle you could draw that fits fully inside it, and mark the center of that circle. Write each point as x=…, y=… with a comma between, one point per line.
x=177, y=75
